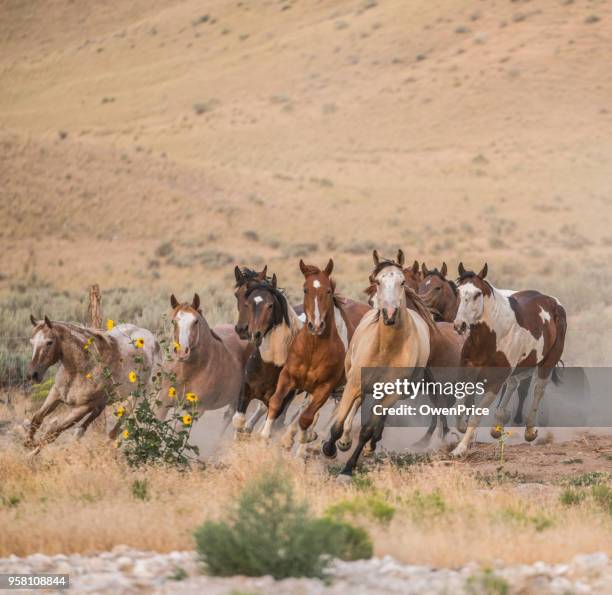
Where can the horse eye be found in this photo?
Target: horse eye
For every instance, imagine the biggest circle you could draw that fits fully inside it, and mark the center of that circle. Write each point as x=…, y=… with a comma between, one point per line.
x=329, y=291
x=50, y=342
x=305, y=290
x=437, y=289
x=476, y=297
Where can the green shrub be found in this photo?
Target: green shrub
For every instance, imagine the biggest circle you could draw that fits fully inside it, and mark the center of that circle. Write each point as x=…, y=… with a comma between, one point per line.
x=140, y=489
x=373, y=506
x=267, y=532
x=589, y=479
x=40, y=391
x=571, y=497
x=487, y=583
x=602, y=494
x=513, y=515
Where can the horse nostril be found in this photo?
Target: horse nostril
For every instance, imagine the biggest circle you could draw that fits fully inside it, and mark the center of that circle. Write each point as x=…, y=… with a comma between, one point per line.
x=310, y=326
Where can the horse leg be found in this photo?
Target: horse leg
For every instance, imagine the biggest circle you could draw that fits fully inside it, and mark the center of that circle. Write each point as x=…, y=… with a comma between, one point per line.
x=531, y=433
x=423, y=442
x=502, y=415
x=49, y=405
x=73, y=417
x=311, y=414
x=346, y=440
x=280, y=420
x=462, y=447
x=92, y=417
x=292, y=428
x=285, y=384
x=239, y=420
x=523, y=393
x=352, y=392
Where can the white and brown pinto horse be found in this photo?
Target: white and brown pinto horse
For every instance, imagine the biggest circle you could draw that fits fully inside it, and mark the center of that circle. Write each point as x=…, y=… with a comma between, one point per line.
x=394, y=334
x=511, y=337
x=94, y=369
x=209, y=361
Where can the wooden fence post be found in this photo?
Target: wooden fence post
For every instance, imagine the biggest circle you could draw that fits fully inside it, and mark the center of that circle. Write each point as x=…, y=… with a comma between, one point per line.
x=95, y=321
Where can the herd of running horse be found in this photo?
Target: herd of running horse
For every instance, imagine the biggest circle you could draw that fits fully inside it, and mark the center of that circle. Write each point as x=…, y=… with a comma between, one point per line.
x=414, y=317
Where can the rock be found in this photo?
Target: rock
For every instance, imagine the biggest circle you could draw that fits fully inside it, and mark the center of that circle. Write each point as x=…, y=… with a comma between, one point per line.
x=591, y=562
x=125, y=564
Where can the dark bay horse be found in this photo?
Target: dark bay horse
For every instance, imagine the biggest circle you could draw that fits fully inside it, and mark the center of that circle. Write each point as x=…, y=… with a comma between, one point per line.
x=441, y=296
x=520, y=335
x=315, y=362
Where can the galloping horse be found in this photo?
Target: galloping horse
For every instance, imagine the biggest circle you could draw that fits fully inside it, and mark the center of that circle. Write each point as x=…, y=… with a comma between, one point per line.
x=441, y=296
x=390, y=336
x=315, y=362
x=209, y=361
x=513, y=336
x=82, y=382
x=271, y=325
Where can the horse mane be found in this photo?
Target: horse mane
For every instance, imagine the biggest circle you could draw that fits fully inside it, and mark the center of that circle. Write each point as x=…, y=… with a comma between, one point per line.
x=281, y=313
x=249, y=275
x=437, y=273
x=85, y=332
x=470, y=275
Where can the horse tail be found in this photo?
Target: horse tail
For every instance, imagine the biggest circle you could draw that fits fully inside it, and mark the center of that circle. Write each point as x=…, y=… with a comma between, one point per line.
x=556, y=349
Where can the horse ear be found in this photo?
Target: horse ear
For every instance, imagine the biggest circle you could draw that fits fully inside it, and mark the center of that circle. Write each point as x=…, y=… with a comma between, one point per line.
x=174, y=302
x=263, y=273
x=33, y=320
x=196, y=302
x=461, y=269
x=274, y=281
x=400, y=257
x=48, y=322
x=375, y=258
x=425, y=270
x=303, y=267
x=329, y=268
x=415, y=267
x=484, y=271
x=237, y=274
x=444, y=269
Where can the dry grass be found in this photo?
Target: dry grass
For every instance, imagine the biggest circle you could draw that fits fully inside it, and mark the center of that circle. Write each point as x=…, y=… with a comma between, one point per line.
x=79, y=498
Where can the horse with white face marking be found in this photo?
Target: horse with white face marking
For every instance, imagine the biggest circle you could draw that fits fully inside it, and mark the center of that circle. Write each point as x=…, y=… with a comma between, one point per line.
x=270, y=324
x=512, y=336
x=81, y=381
x=209, y=361
x=441, y=296
x=389, y=336
x=315, y=362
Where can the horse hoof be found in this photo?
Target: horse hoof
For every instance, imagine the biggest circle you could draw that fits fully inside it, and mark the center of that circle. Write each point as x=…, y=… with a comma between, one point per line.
x=344, y=446
x=328, y=450
x=497, y=432
x=459, y=451
x=344, y=478
x=531, y=434
x=311, y=437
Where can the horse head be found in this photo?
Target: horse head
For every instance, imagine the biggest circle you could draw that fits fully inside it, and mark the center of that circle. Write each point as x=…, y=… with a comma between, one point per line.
x=45, y=348
x=472, y=289
x=318, y=295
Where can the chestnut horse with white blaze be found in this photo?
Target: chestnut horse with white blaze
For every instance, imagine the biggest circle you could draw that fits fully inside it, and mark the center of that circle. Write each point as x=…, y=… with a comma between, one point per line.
x=511, y=337
x=209, y=361
x=86, y=357
x=315, y=362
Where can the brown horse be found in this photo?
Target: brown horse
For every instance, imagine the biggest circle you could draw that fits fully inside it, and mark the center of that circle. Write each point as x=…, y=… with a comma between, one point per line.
x=441, y=296
x=315, y=362
x=95, y=368
x=209, y=361
x=271, y=325
x=520, y=335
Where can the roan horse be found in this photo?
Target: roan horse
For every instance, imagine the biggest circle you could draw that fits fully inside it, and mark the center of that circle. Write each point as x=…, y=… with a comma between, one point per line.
x=389, y=336
x=86, y=356
x=511, y=336
x=441, y=296
x=209, y=361
x=271, y=326
x=315, y=362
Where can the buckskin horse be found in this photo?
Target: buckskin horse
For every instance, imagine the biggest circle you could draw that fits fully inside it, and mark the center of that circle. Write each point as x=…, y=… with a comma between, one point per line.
x=315, y=362
x=209, y=361
x=390, y=336
x=94, y=368
x=271, y=325
x=441, y=296
x=511, y=336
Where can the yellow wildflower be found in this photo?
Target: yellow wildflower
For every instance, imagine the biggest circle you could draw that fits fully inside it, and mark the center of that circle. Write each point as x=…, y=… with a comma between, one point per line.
x=110, y=324
x=89, y=376
x=187, y=420
x=89, y=342
x=139, y=343
x=125, y=433
x=172, y=392
x=498, y=428
x=120, y=411
x=132, y=377
x=191, y=397
x=176, y=346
